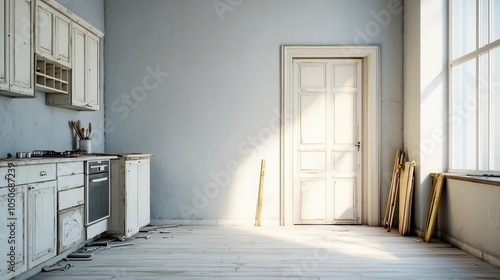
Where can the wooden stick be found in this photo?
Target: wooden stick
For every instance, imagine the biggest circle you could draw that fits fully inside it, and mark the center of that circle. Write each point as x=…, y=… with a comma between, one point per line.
x=396, y=191
x=437, y=188
x=391, y=189
x=261, y=192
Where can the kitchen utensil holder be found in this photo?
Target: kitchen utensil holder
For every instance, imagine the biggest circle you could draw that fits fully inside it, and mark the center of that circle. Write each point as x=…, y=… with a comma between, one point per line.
x=86, y=144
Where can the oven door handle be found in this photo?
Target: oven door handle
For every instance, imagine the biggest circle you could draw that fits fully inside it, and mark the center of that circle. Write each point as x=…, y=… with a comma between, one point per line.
x=99, y=180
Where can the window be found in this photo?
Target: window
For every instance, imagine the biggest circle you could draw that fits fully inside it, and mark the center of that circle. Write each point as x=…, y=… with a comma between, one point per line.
x=475, y=86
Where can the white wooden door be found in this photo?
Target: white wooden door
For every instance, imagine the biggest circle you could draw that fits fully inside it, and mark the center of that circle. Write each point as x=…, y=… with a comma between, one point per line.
x=327, y=156
x=78, y=71
x=42, y=217
x=4, y=54
x=15, y=236
x=21, y=48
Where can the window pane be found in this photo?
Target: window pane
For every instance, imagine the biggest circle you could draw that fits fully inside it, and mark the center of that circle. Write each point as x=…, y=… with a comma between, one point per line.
x=483, y=28
x=496, y=19
x=464, y=27
x=495, y=111
x=484, y=113
x=463, y=115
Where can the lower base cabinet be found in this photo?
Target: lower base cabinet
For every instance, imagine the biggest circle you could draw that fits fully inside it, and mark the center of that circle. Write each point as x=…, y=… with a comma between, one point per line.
x=29, y=211
x=130, y=195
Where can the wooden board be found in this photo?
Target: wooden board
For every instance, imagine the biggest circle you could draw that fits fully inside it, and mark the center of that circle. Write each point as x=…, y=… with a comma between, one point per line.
x=437, y=188
x=406, y=197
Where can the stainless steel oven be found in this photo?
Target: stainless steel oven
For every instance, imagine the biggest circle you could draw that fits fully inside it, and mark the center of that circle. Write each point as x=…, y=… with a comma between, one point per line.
x=96, y=191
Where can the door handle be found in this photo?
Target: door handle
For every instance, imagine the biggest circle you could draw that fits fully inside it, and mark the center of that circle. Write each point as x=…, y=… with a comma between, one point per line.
x=358, y=145
x=99, y=180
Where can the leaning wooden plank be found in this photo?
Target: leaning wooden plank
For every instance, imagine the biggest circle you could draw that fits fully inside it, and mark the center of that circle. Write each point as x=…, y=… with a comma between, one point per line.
x=394, y=197
x=410, y=168
x=402, y=196
x=437, y=188
x=261, y=191
x=391, y=189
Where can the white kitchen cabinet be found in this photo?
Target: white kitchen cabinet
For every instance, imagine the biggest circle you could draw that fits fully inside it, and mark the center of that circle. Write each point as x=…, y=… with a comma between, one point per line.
x=41, y=222
x=16, y=62
x=13, y=247
x=52, y=46
x=130, y=195
x=85, y=74
x=53, y=30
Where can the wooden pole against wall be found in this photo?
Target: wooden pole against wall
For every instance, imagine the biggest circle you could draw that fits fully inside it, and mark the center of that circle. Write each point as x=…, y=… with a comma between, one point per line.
x=261, y=192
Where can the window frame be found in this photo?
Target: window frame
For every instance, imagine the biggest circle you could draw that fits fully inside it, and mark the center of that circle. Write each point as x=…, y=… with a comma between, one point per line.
x=452, y=63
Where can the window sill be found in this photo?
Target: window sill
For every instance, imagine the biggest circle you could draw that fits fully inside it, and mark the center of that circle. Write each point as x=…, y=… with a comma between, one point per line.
x=493, y=181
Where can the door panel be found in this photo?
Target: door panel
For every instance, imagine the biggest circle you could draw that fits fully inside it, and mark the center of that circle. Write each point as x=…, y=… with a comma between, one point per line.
x=312, y=161
x=313, y=200
x=312, y=119
x=344, y=195
x=326, y=131
x=344, y=115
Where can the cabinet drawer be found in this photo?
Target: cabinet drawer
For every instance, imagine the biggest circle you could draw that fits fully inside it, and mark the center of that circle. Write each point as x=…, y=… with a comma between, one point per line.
x=27, y=174
x=70, y=182
x=70, y=198
x=69, y=168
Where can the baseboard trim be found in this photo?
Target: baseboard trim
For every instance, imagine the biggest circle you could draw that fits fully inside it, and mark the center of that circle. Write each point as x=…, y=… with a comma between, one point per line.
x=212, y=222
x=472, y=250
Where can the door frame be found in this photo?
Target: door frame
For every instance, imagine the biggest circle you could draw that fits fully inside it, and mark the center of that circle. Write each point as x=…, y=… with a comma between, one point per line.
x=370, y=122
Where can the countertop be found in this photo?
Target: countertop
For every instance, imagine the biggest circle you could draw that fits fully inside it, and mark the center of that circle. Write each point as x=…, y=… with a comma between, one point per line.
x=4, y=162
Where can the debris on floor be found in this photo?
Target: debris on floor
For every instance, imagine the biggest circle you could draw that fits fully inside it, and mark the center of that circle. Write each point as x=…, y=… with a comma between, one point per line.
x=150, y=228
x=60, y=265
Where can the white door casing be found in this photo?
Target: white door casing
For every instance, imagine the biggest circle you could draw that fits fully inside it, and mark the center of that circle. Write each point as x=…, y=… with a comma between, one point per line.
x=326, y=137
x=370, y=129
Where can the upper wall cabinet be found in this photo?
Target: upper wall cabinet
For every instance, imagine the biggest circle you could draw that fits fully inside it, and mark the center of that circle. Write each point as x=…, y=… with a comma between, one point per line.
x=53, y=34
x=16, y=48
x=68, y=58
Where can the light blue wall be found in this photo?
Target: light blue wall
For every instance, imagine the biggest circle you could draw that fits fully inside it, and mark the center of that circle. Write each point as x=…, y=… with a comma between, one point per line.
x=27, y=124
x=216, y=109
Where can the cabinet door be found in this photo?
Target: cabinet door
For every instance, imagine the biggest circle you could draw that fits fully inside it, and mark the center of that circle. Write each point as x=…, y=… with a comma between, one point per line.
x=93, y=71
x=21, y=48
x=71, y=228
x=78, y=57
x=44, y=30
x=62, y=31
x=41, y=222
x=131, y=197
x=13, y=243
x=4, y=20
x=143, y=192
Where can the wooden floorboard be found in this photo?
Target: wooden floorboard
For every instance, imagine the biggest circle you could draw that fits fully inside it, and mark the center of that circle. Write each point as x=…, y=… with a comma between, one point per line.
x=266, y=253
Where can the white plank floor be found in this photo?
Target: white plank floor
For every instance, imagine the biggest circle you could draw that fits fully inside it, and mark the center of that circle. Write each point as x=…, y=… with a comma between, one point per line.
x=298, y=252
